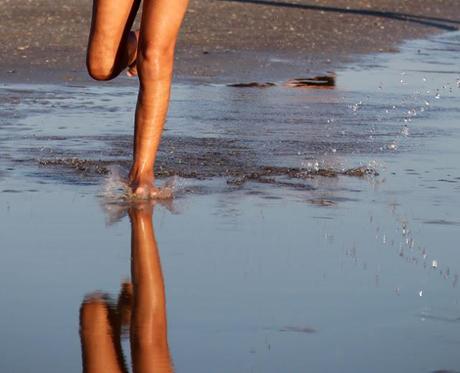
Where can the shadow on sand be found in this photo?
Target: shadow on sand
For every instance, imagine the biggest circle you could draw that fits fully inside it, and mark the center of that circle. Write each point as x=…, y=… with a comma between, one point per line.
x=440, y=23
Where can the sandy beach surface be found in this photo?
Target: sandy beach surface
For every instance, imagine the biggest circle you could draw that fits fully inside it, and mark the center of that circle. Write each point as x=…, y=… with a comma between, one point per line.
x=225, y=40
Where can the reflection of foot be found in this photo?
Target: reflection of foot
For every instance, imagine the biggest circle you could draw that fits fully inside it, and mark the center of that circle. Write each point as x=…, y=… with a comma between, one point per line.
x=95, y=315
x=100, y=336
x=124, y=305
x=132, y=45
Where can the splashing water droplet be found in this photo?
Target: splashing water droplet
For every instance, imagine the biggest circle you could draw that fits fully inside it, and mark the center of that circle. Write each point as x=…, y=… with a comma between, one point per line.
x=392, y=146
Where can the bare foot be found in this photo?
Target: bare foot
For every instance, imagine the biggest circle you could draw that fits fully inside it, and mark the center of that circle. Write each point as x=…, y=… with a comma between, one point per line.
x=133, y=42
x=147, y=190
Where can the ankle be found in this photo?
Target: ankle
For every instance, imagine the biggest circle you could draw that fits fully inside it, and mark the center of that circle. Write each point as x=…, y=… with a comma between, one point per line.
x=140, y=176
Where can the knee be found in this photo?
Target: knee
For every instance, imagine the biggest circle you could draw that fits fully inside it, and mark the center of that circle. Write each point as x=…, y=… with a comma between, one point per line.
x=155, y=61
x=99, y=69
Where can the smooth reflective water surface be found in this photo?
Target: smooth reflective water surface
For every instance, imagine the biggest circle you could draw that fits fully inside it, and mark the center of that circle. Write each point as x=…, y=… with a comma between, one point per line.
x=272, y=258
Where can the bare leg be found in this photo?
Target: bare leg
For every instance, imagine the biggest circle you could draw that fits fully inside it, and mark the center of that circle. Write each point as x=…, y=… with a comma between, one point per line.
x=149, y=339
x=161, y=20
x=101, y=348
x=112, y=46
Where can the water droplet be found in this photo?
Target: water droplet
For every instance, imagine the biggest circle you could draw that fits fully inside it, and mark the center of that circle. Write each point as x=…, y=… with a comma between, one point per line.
x=392, y=146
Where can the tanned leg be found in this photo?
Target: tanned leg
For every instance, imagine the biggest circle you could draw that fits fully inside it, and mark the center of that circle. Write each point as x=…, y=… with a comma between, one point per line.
x=112, y=46
x=161, y=20
x=149, y=339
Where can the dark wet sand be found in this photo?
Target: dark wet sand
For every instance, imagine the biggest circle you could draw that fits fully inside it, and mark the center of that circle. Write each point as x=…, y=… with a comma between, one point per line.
x=225, y=40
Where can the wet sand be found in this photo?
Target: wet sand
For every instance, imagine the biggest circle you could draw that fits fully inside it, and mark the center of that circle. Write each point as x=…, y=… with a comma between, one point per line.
x=225, y=40
x=309, y=133
x=346, y=275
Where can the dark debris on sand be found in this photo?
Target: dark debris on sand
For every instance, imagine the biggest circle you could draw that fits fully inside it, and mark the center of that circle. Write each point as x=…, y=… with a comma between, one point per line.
x=321, y=81
x=252, y=85
x=235, y=160
x=292, y=178
x=85, y=166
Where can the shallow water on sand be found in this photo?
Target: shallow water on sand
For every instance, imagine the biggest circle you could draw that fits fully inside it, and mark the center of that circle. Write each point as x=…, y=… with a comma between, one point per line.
x=263, y=271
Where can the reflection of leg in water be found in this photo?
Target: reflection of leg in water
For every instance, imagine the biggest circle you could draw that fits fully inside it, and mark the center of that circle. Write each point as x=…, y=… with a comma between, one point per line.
x=149, y=340
x=141, y=305
x=100, y=337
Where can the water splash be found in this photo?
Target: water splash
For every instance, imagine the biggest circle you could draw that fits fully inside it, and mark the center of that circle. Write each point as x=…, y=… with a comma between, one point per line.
x=116, y=187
